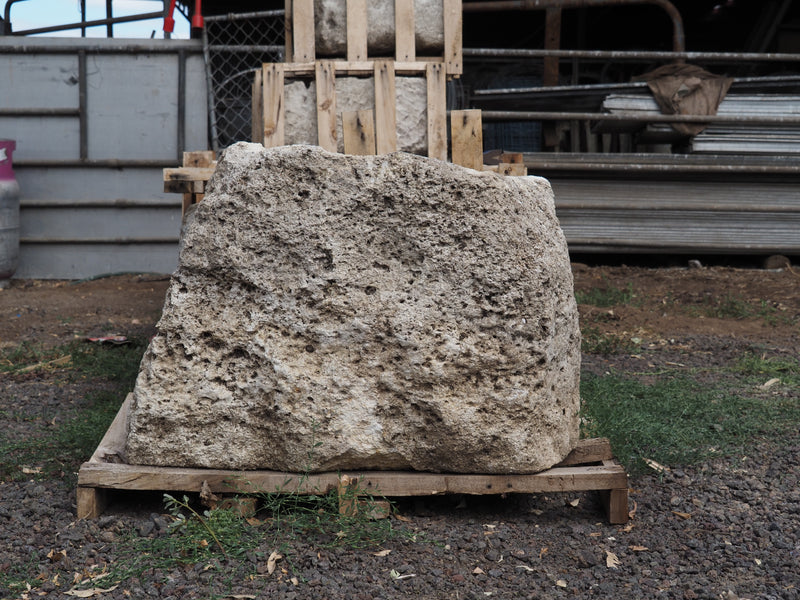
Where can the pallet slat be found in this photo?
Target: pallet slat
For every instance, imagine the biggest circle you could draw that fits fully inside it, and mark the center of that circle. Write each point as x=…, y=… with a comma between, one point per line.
x=405, y=44
x=326, y=105
x=273, y=117
x=358, y=132
x=385, y=108
x=437, y=111
x=453, y=53
x=356, y=30
x=467, y=135
x=303, y=23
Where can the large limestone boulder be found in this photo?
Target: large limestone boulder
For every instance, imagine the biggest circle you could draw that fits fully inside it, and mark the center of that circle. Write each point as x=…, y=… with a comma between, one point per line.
x=336, y=312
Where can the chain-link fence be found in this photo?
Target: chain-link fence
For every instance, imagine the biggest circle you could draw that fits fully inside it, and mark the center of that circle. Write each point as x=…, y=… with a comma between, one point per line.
x=235, y=46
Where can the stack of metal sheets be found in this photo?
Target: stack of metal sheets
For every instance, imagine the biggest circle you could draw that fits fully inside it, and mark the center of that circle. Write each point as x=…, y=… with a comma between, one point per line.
x=717, y=138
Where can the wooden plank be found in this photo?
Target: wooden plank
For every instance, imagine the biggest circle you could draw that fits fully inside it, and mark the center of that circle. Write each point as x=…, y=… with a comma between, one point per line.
x=188, y=173
x=303, y=30
x=453, y=54
x=112, y=447
x=326, y=106
x=588, y=451
x=91, y=502
x=386, y=483
x=257, y=108
x=364, y=67
x=405, y=46
x=616, y=503
x=467, y=138
x=512, y=169
x=273, y=113
x=199, y=158
x=288, y=8
x=358, y=129
x=437, y=111
x=385, y=108
x=356, y=30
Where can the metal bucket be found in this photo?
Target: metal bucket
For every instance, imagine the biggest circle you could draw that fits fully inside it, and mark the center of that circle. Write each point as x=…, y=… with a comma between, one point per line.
x=9, y=213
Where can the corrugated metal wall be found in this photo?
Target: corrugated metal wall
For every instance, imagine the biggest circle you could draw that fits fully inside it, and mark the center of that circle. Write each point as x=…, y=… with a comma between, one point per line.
x=95, y=121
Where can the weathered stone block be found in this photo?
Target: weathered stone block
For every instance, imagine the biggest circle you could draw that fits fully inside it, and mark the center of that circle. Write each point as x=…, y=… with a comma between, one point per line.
x=358, y=93
x=385, y=312
x=330, y=17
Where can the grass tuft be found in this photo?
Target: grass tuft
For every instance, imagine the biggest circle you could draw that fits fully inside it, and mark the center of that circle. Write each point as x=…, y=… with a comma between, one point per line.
x=607, y=296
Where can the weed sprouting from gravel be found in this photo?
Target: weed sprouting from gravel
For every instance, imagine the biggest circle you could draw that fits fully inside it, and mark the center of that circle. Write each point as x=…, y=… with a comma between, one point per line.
x=607, y=296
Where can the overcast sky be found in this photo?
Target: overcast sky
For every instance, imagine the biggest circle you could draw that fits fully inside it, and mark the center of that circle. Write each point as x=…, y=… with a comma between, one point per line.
x=43, y=13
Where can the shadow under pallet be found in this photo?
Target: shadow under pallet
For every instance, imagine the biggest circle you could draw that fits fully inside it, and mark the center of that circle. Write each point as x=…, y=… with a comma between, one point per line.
x=589, y=467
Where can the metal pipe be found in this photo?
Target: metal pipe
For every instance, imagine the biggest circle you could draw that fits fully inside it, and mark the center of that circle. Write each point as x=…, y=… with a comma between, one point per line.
x=95, y=163
x=109, y=17
x=507, y=115
x=678, y=36
x=181, y=103
x=85, y=24
x=630, y=55
x=83, y=89
x=7, y=16
x=246, y=16
x=39, y=112
x=158, y=47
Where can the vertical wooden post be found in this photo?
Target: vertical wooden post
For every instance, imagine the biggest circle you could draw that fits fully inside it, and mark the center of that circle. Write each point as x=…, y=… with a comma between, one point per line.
x=437, y=110
x=273, y=113
x=347, y=491
x=405, y=47
x=358, y=132
x=288, y=19
x=91, y=502
x=453, y=55
x=356, y=30
x=467, y=137
x=385, y=107
x=303, y=20
x=326, y=105
x=257, y=108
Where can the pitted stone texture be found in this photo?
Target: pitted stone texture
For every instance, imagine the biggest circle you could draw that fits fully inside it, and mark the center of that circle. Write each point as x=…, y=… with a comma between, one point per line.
x=355, y=93
x=330, y=17
x=341, y=312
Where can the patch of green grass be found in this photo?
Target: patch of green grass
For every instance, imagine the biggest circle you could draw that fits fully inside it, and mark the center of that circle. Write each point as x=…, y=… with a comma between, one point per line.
x=63, y=446
x=761, y=366
x=15, y=580
x=594, y=341
x=607, y=296
x=738, y=308
x=678, y=421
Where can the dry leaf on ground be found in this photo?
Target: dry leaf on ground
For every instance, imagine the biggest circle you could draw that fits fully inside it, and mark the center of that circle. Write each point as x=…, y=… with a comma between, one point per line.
x=273, y=558
x=612, y=561
x=90, y=592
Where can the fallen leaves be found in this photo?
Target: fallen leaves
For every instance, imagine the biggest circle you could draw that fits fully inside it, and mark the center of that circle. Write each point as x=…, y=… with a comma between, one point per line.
x=682, y=515
x=657, y=467
x=612, y=560
x=770, y=383
x=90, y=592
x=381, y=553
x=271, y=562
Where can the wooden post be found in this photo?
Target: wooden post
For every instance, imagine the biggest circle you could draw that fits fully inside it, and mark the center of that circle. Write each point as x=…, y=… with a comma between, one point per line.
x=347, y=492
x=356, y=30
x=326, y=105
x=273, y=110
x=453, y=55
x=257, y=108
x=437, y=111
x=303, y=32
x=288, y=20
x=512, y=163
x=358, y=132
x=91, y=502
x=552, y=41
x=467, y=136
x=405, y=46
x=385, y=107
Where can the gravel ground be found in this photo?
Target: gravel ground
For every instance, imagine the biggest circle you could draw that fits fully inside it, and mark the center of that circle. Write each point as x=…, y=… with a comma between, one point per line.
x=725, y=529
x=728, y=529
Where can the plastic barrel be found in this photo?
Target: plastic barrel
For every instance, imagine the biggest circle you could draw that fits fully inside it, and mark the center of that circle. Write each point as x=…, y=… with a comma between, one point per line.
x=9, y=213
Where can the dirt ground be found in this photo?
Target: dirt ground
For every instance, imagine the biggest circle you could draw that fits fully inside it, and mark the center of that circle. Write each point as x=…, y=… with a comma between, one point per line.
x=680, y=309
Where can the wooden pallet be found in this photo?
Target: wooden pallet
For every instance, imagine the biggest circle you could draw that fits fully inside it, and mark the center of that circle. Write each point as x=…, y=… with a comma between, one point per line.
x=364, y=132
x=300, y=34
x=590, y=466
x=190, y=179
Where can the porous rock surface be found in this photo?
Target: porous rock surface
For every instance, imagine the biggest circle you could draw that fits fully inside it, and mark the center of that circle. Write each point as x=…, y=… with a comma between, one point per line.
x=357, y=93
x=340, y=312
x=330, y=17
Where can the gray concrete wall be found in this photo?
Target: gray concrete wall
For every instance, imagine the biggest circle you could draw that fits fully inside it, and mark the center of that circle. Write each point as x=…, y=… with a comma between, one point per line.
x=91, y=199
